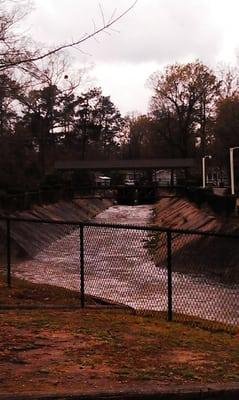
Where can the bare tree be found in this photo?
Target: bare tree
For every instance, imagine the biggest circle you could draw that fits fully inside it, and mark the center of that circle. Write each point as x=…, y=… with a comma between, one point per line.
x=229, y=78
x=184, y=97
x=17, y=51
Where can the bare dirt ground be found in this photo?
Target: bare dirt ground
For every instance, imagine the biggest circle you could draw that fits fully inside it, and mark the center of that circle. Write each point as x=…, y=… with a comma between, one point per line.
x=63, y=350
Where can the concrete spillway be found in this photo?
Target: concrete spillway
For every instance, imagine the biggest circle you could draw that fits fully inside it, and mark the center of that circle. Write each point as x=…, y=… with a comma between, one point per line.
x=212, y=256
x=29, y=238
x=119, y=267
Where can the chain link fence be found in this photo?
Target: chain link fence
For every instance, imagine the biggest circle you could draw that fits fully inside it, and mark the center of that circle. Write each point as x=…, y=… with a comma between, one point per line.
x=184, y=275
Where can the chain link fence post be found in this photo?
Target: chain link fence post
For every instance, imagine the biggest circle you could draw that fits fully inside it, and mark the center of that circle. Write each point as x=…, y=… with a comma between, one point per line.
x=169, y=270
x=82, y=269
x=9, y=280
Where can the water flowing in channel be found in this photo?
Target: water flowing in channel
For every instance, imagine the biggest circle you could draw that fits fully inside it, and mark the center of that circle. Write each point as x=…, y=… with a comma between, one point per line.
x=119, y=268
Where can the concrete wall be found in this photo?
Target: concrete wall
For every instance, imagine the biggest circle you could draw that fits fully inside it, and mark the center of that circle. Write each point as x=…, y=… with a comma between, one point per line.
x=27, y=238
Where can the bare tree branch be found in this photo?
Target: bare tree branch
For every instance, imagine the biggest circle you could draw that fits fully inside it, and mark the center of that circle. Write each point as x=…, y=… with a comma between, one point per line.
x=102, y=14
x=17, y=58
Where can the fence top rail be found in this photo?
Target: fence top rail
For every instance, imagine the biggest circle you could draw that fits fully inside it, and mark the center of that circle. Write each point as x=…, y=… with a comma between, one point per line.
x=152, y=228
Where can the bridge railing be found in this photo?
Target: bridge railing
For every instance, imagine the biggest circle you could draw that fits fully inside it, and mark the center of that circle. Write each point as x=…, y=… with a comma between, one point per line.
x=184, y=275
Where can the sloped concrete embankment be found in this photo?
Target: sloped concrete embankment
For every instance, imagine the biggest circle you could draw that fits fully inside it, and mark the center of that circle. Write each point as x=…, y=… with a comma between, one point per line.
x=28, y=238
x=206, y=255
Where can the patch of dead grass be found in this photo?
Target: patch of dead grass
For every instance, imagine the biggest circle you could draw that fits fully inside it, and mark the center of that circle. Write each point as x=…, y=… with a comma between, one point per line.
x=46, y=350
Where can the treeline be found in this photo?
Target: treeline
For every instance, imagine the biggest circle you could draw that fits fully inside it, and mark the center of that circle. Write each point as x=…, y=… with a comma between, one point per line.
x=192, y=113
x=39, y=127
x=47, y=116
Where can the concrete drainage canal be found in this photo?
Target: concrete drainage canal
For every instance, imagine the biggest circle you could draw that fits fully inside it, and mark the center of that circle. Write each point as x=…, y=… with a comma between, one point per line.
x=119, y=267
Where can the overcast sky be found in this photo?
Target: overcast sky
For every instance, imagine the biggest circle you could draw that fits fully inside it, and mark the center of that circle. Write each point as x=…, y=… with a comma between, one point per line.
x=155, y=33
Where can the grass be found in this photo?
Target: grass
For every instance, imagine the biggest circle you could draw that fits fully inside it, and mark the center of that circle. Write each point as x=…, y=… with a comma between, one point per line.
x=23, y=292
x=47, y=350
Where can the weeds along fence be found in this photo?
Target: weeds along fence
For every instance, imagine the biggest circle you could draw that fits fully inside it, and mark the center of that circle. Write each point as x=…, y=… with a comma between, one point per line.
x=184, y=275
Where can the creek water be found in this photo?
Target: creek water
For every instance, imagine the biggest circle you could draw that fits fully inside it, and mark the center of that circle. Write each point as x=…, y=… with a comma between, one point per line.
x=119, y=268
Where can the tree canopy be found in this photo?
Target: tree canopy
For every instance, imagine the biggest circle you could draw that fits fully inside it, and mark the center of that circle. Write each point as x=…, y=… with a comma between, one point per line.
x=183, y=101
x=46, y=114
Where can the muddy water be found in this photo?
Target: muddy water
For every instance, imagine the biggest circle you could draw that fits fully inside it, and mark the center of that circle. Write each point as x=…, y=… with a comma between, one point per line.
x=119, y=268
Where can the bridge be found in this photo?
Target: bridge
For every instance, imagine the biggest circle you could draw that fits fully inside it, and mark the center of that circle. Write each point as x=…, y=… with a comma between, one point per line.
x=143, y=164
x=143, y=191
